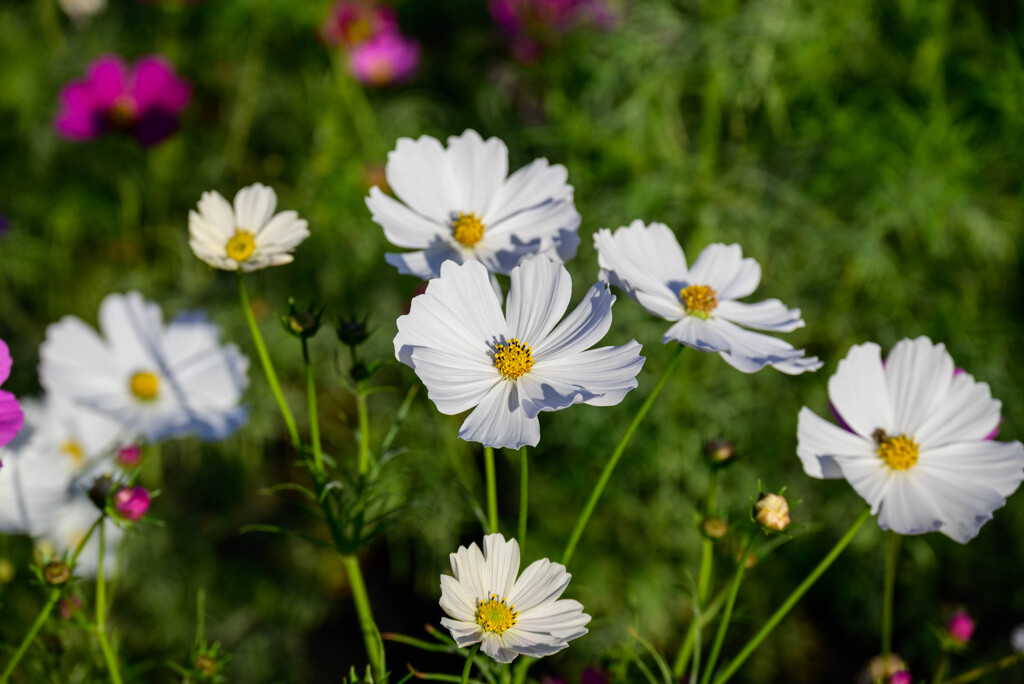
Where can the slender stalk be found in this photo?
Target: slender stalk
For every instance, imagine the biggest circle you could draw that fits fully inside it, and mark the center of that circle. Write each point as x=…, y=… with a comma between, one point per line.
x=982, y=670
x=364, y=431
x=940, y=668
x=891, y=552
x=101, y=613
x=469, y=663
x=492, y=491
x=606, y=474
x=44, y=614
x=797, y=594
x=314, y=418
x=268, y=366
x=371, y=635
x=723, y=626
x=697, y=624
x=707, y=548
x=523, y=483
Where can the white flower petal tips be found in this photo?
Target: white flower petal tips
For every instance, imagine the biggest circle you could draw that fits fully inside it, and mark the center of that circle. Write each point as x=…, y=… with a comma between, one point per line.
x=648, y=263
x=486, y=603
x=460, y=204
x=247, y=236
x=513, y=366
x=915, y=442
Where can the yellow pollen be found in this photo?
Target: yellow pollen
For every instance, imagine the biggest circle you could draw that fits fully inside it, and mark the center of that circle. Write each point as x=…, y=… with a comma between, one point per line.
x=513, y=358
x=72, y=450
x=122, y=112
x=899, y=453
x=241, y=245
x=145, y=385
x=700, y=300
x=467, y=229
x=496, y=616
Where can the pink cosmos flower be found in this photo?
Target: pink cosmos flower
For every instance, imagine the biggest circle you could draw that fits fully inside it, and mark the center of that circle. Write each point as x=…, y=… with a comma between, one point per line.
x=350, y=23
x=128, y=456
x=385, y=59
x=961, y=627
x=901, y=677
x=144, y=100
x=131, y=503
x=11, y=416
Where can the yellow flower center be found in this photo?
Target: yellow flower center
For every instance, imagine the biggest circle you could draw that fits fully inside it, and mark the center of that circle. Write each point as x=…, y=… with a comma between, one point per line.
x=700, y=300
x=513, y=358
x=899, y=453
x=73, y=450
x=122, y=112
x=496, y=616
x=241, y=245
x=145, y=385
x=467, y=229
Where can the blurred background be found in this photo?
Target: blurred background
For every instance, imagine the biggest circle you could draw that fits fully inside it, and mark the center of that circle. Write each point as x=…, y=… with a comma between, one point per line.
x=866, y=153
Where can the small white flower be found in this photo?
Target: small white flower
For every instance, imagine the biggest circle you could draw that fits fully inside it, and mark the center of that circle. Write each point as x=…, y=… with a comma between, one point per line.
x=80, y=11
x=155, y=380
x=249, y=236
x=509, y=616
x=74, y=434
x=34, y=483
x=917, y=446
x=648, y=263
x=468, y=354
x=461, y=204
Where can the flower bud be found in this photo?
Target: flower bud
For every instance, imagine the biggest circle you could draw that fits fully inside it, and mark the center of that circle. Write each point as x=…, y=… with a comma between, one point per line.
x=900, y=677
x=961, y=627
x=714, y=528
x=100, y=490
x=56, y=573
x=205, y=665
x=302, y=324
x=352, y=332
x=131, y=503
x=883, y=667
x=128, y=456
x=772, y=512
x=719, y=451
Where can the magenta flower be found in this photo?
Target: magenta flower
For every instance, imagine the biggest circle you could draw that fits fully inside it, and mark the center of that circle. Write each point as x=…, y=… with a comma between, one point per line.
x=384, y=59
x=961, y=627
x=901, y=677
x=144, y=101
x=128, y=456
x=529, y=24
x=350, y=23
x=131, y=503
x=11, y=417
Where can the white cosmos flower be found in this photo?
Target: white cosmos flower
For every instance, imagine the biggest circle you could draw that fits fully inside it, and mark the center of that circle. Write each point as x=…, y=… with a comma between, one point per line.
x=249, y=236
x=648, y=263
x=461, y=204
x=79, y=437
x=511, y=368
x=916, y=448
x=71, y=523
x=34, y=484
x=156, y=380
x=509, y=616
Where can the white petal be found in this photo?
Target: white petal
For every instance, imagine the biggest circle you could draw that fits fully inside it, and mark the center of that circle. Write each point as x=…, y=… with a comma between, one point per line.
x=870, y=477
x=494, y=646
x=499, y=421
x=425, y=264
x=549, y=229
x=749, y=351
x=563, y=619
x=254, y=205
x=534, y=184
x=859, y=393
x=537, y=297
x=217, y=211
x=646, y=259
x=603, y=376
x=132, y=328
x=794, y=366
x=538, y=392
x=697, y=333
x=996, y=465
x=966, y=413
x=456, y=601
x=402, y=226
x=470, y=570
x=283, y=232
x=465, y=633
x=581, y=329
x=909, y=507
x=480, y=167
x=206, y=235
x=723, y=268
x=771, y=314
x=502, y=564
x=662, y=304
x=822, y=445
x=542, y=581
x=918, y=375
x=258, y=261
x=965, y=503
x=533, y=644
x=419, y=173
x=454, y=382
x=74, y=361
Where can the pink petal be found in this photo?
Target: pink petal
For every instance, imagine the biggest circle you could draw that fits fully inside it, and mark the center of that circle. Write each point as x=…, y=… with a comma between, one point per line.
x=156, y=85
x=79, y=117
x=5, y=362
x=107, y=80
x=11, y=417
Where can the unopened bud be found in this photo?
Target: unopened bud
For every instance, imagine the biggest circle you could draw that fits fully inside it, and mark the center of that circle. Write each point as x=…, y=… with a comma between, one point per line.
x=719, y=450
x=131, y=503
x=206, y=665
x=352, y=332
x=714, y=528
x=100, y=490
x=961, y=627
x=302, y=324
x=772, y=512
x=56, y=573
x=901, y=677
x=129, y=456
x=884, y=667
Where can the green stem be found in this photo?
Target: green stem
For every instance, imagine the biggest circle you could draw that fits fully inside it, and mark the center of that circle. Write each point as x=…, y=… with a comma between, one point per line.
x=797, y=594
x=314, y=418
x=691, y=634
x=492, y=491
x=606, y=474
x=268, y=366
x=940, y=668
x=891, y=552
x=469, y=663
x=371, y=635
x=982, y=670
x=707, y=549
x=523, y=483
x=101, y=613
x=364, y=431
x=44, y=614
x=723, y=626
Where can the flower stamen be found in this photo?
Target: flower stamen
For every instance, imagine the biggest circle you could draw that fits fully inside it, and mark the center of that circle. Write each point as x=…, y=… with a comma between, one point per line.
x=467, y=229
x=72, y=450
x=513, y=358
x=145, y=385
x=899, y=452
x=700, y=300
x=241, y=245
x=496, y=616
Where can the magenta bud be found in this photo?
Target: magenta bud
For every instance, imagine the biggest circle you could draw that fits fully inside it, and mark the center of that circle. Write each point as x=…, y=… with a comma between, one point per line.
x=131, y=503
x=961, y=627
x=901, y=677
x=129, y=456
